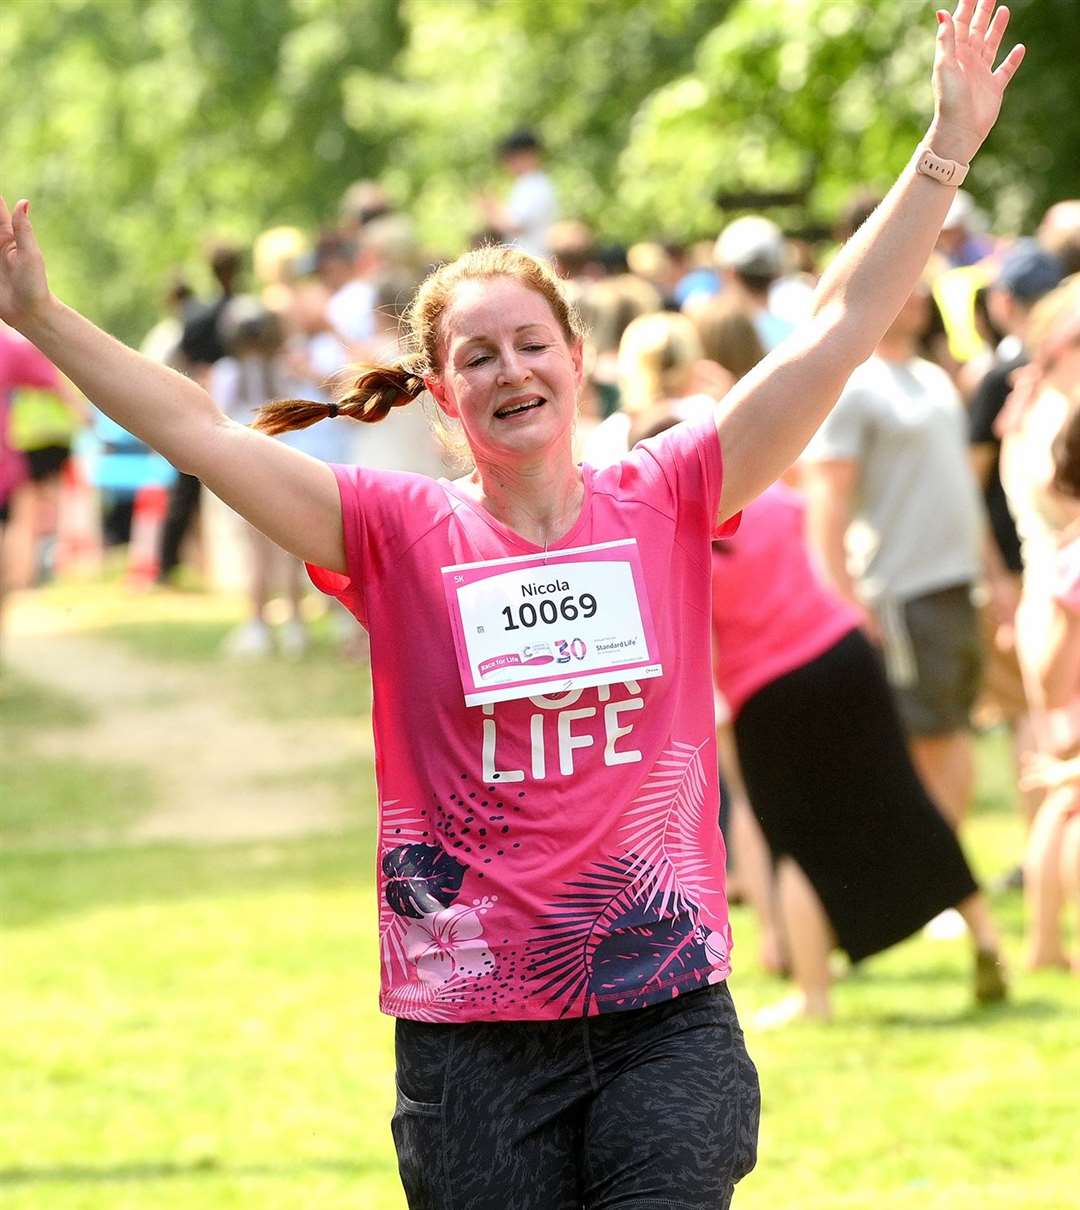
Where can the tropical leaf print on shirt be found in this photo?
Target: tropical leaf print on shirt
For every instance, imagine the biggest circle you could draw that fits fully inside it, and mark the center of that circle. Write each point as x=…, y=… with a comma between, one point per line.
x=561, y=955
x=665, y=826
x=421, y=879
x=635, y=929
x=643, y=957
x=608, y=945
x=399, y=823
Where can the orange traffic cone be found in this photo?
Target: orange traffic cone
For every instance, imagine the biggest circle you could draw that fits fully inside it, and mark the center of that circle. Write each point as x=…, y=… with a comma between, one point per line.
x=78, y=526
x=144, y=549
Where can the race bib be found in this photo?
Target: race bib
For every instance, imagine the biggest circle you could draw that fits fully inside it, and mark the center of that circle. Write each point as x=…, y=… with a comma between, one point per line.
x=551, y=622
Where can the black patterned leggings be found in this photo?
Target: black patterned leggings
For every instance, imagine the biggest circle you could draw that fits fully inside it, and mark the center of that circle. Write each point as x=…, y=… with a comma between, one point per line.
x=640, y=1110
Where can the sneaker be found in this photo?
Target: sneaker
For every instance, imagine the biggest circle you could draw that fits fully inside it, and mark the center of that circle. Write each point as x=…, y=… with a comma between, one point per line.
x=990, y=984
x=250, y=641
x=791, y=1010
x=293, y=638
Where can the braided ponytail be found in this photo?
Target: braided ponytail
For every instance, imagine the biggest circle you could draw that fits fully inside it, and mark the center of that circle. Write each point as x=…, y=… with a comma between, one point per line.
x=374, y=391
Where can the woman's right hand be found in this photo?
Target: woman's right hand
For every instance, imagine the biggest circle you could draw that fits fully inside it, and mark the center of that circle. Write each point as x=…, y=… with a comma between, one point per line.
x=1042, y=771
x=24, y=288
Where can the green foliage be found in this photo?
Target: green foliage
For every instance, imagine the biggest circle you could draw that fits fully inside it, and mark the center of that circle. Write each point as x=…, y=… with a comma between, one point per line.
x=138, y=127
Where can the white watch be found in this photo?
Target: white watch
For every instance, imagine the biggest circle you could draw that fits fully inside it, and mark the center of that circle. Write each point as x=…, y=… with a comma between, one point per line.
x=945, y=172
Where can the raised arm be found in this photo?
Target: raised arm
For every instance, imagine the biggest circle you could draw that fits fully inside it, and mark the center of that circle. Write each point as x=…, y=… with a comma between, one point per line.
x=290, y=497
x=769, y=416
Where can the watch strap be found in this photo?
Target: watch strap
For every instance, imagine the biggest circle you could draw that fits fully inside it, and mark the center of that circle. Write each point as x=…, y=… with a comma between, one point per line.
x=945, y=172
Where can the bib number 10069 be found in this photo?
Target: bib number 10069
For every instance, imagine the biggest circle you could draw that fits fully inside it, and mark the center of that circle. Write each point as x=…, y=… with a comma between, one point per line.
x=568, y=609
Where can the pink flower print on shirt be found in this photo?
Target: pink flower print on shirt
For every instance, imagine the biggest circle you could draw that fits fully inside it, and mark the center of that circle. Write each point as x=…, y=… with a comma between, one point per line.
x=450, y=943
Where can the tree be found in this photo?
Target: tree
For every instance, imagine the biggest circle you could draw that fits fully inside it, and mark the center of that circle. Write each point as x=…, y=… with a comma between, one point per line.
x=140, y=126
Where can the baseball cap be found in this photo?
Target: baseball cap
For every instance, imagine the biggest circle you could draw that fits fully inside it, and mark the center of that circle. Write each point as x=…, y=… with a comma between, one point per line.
x=753, y=245
x=1028, y=271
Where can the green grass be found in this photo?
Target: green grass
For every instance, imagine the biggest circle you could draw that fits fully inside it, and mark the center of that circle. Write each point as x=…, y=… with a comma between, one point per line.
x=194, y=1026
x=44, y=798
x=194, y=1029
x=25, y=706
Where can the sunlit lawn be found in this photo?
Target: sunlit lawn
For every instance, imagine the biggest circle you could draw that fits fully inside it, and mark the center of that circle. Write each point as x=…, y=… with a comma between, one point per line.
x=195, y=1027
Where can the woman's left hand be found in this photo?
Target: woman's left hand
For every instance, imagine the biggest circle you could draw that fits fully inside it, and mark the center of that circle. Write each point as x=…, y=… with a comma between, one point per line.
x=967, y=89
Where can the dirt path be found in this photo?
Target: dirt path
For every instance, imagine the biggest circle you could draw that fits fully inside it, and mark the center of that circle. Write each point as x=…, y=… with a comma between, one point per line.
x=218, y=775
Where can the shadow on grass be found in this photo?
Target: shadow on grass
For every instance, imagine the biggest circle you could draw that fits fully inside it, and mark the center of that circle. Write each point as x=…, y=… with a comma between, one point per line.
x=164, y=1170
x=46, y=800
x=31, y=706
x=987, y=1016
x=39, y=885
x=914, y=976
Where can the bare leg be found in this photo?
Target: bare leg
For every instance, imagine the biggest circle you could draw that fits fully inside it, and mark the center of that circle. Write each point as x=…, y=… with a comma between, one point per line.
x=22, y=536
x=976, y=914
x=946, y=767
x=1023, y=741
x=1070, y=875
x=810, y=937
x=1043, y=890
x=293, y=637
x=254, y=638
x=294, y=586
x=756, y=879
x=753, y=872
x=990, y=984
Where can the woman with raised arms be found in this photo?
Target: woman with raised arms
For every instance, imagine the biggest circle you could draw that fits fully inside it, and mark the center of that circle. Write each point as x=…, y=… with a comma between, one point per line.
x=554, y=927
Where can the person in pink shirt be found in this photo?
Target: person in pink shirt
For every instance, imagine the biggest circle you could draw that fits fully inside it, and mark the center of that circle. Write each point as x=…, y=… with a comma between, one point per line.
x=539, y=637
x=21, y=365
x=864, y=858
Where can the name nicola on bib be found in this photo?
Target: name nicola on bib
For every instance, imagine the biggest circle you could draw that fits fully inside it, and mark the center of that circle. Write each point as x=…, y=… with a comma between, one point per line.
x=563, y=734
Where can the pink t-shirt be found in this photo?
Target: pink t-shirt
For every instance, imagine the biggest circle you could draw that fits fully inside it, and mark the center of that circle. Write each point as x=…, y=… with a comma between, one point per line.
x=21, y=365
x=1067, y=576
x=771, y=613
x=551, y=856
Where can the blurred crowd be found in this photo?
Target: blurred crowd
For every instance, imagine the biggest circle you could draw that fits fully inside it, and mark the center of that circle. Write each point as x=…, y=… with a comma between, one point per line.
x=940, y=502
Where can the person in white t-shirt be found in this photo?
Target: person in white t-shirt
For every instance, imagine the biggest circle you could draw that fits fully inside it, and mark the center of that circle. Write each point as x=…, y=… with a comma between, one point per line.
x=532, y=205
x=750, y=253
x=897, y=520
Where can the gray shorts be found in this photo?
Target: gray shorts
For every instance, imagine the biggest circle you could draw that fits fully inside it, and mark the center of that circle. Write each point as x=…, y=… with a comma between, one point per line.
x=933, y=658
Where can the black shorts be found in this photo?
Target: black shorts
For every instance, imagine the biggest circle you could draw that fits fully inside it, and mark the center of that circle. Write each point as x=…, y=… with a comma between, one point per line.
x=654, y=1107
x=47, y=462
x=933, y=658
